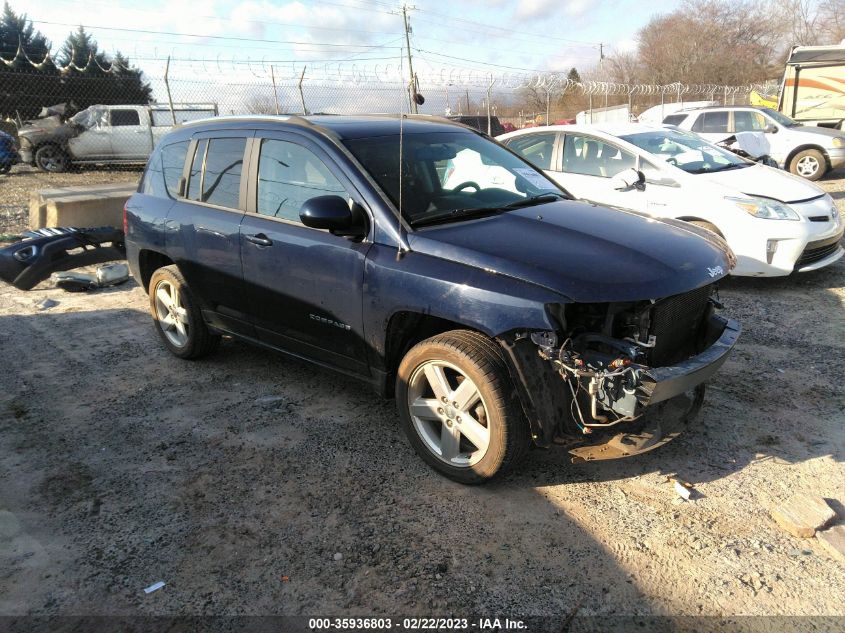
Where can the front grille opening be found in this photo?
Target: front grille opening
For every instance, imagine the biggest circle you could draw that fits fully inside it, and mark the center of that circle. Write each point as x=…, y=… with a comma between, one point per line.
x=815, y=254
x=819, y=218
x=674, y=325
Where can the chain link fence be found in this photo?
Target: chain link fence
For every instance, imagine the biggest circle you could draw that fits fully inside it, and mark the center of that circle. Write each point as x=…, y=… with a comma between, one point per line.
x=177, y=90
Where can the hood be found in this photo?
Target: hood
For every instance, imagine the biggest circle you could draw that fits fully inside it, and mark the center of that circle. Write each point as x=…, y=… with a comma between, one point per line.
x=588, y=253
x=814, y=131
x=768, y=182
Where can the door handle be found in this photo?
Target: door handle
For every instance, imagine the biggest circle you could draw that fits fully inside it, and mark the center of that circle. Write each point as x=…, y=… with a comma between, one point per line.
x=260, y=239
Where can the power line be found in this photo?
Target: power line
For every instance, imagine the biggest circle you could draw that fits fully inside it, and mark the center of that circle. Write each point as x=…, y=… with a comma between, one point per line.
x=475, y=61
x=215, y=37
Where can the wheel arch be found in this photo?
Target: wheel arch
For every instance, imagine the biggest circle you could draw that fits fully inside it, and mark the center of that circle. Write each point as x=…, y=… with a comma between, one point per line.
x=797, y=150
x=150, y=261
x=695, y=218
x=405, y=329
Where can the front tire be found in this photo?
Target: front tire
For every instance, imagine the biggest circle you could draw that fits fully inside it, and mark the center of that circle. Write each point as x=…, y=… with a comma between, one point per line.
x=177, y=316
x=458, y=407
x=809, y=164
x=51, y=159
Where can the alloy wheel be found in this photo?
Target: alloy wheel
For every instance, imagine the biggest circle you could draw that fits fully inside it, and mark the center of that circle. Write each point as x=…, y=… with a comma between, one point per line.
x=448, y=413
x=807, y=166
x=172, y=316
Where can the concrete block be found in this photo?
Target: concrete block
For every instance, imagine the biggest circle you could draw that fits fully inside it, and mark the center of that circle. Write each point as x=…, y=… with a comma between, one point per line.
x=92, y=206
x=833, y=540
x=803, y=514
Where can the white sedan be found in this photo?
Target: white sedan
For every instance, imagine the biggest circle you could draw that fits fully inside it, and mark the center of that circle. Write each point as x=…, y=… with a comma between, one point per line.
x=776, y=223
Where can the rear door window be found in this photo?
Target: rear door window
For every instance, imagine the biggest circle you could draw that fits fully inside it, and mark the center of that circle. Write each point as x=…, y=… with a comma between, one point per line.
x=216, y=169
x=221, y=181
x=711, y=123
x=535, y=148
x=195, y=177
x=588, y=156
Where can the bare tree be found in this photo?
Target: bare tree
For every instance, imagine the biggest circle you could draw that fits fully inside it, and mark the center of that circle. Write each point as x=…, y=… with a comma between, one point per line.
x=261, y=104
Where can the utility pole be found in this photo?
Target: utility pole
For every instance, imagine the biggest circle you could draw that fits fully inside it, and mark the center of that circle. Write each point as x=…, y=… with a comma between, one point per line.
x=412, y=87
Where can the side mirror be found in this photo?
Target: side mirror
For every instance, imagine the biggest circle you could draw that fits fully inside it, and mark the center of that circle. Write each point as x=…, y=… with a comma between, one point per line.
x=628, y=178
x=334, y=214
x=771, y=128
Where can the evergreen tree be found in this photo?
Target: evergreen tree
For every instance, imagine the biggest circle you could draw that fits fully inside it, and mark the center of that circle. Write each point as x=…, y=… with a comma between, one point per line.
x=17, y=29
x=28, y=86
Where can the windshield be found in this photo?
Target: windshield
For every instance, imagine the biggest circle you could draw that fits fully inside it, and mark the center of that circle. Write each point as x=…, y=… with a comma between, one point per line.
x=451, y=175
x=686, y=151
x=780, y=118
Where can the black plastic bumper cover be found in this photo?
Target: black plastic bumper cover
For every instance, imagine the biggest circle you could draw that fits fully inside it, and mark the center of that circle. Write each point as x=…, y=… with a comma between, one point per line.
x=27, y=263
x=663, y=383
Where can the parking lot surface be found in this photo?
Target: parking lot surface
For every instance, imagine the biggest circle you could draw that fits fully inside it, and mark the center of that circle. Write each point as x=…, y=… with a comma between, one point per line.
x=251, y=483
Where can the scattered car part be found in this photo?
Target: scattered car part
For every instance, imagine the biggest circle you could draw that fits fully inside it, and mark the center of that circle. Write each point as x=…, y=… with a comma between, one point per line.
x=42, y=252
x=109, y=275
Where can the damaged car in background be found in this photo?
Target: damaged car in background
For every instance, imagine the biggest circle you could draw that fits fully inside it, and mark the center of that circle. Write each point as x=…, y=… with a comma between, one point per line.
x=101, y=134
x=499, y=316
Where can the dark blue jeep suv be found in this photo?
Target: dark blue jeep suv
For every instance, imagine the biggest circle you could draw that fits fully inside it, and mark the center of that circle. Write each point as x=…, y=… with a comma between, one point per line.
x=501, y=313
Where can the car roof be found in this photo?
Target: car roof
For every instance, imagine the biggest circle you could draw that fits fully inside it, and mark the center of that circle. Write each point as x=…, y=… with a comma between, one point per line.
x=720, y=107
x=610, y=129
x=338, y=126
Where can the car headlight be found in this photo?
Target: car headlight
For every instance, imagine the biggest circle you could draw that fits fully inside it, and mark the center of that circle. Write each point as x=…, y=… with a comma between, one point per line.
x=765, y=208
x=838, y=141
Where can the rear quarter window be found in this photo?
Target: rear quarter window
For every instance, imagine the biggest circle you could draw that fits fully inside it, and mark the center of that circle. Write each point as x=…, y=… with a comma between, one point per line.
x=161, y=178
x=675, y=119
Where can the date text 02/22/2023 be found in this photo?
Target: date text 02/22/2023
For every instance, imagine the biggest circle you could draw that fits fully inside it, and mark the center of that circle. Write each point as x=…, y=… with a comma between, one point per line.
x=417, y=624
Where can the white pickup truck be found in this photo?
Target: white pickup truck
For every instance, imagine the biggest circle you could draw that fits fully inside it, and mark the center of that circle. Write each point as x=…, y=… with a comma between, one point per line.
x=103, y=134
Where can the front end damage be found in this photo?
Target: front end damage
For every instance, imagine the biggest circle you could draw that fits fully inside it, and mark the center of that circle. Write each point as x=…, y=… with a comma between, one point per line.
x=633, y=373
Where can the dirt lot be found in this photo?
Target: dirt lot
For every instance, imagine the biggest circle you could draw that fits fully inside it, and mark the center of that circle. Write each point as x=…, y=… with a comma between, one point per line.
x=121, y=466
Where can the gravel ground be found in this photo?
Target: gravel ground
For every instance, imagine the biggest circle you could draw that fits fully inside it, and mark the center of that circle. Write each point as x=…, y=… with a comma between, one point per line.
x=122, y=465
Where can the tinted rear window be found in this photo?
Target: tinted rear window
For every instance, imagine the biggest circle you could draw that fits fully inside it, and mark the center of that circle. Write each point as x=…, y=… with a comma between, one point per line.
x=221, y=182
x=712, y=123
x=125, y=117
x=164, y=170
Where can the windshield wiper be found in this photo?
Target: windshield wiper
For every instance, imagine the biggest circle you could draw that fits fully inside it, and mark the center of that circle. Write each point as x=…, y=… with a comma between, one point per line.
x=480, y=212
x=542, y=198
x=707, y=170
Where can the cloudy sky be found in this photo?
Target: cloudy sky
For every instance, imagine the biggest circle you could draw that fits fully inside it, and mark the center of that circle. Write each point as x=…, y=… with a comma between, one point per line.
x=534, y=35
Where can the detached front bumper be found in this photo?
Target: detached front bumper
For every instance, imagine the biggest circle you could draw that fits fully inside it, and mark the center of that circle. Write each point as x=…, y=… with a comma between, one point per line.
x=668, y=387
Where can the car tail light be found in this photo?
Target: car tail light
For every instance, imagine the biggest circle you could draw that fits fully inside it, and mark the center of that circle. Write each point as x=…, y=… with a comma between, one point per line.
x=125, y=219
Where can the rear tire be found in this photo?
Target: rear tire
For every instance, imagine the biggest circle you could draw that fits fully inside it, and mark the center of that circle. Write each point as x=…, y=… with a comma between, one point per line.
x=51, y=159
x=5, y=168
x=177, y=316
x=458, y=407
x=809, y=164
